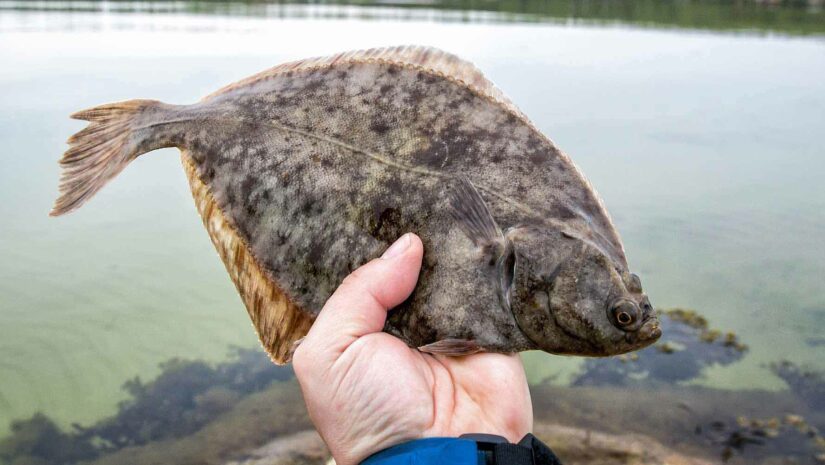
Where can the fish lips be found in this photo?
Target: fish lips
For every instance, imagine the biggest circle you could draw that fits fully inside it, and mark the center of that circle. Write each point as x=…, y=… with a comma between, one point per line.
x=648, y=333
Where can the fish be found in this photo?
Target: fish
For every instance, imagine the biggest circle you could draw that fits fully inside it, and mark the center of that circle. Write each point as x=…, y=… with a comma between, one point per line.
x=306, y=171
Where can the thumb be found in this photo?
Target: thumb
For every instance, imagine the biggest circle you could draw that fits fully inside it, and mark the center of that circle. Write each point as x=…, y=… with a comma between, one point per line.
x=359, y=305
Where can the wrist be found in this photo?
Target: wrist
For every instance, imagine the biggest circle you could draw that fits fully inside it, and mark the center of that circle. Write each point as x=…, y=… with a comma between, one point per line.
x=428, y=451
x=468, y=449
x=355, y=450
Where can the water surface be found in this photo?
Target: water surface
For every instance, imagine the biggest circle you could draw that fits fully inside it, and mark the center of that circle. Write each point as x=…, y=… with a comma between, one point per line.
x=706, y=147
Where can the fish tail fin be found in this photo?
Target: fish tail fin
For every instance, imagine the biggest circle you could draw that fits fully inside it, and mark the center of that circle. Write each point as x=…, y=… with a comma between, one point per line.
x=117, y=134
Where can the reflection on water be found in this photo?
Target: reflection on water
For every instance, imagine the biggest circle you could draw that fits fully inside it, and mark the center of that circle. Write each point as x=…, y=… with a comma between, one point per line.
x=792, y=17
x=705, y=147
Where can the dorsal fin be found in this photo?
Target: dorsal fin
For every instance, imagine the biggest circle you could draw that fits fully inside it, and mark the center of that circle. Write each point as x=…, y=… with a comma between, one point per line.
x=426, y=58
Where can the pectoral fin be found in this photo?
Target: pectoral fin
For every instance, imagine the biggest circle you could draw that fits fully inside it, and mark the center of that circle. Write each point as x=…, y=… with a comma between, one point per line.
x=452, y=347
x=476, y=221
x=472, y=214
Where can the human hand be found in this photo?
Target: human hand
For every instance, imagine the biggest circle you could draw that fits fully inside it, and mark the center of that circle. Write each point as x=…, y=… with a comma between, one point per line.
x=366, y=390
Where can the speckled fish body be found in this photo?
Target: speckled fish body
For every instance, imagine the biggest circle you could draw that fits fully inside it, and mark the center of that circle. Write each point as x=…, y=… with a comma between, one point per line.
x=308, y=170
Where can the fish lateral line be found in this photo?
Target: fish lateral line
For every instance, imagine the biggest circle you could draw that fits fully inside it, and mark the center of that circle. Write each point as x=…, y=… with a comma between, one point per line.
x=383, y=159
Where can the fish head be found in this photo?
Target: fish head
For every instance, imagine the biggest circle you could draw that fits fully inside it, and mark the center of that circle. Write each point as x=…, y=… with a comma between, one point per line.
x=569, y=297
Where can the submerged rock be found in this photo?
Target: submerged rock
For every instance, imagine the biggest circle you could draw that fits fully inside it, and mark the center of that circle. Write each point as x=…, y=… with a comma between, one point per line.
x=587, y=447
x=304, y=447
x=742, y=427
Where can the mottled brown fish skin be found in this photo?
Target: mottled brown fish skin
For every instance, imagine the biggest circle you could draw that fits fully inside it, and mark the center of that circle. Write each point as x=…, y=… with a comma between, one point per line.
x=319, y=169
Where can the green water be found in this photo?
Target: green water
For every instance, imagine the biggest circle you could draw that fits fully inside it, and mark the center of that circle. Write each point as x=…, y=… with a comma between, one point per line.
x=707, y=148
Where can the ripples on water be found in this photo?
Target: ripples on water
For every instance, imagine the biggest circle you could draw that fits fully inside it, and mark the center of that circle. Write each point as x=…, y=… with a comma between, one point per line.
x=706, y=147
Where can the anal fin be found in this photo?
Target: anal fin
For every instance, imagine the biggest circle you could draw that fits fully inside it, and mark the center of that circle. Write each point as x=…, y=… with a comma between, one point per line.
x=452, y=347
x=279, y=323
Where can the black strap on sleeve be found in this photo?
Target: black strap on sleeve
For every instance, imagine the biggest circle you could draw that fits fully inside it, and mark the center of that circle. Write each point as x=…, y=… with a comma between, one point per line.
x=497, y=451
x=542, y=455
x=506, y=454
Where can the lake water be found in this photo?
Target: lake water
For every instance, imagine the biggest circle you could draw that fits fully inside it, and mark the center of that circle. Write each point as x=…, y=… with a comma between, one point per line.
x=706, y=145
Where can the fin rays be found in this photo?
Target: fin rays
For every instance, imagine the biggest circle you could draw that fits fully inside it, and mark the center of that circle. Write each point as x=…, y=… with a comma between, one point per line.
x=278, y=322
x=98, y=152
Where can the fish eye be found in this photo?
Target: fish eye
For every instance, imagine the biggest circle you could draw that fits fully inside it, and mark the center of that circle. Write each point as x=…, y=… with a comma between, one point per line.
x=624, y=313
x=624, y=318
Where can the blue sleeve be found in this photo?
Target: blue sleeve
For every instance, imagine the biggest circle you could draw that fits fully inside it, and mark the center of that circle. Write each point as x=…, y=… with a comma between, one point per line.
x=431, y=451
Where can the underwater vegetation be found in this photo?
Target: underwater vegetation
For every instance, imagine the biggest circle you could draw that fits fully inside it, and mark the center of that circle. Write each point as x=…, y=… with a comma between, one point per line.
x=808, y=384
x=38, y=440
x=797, y=432
x=688, y=346
x=735, y=427
x=800, y=433
x=789, y=433
x=186, y=396
x=197, y=413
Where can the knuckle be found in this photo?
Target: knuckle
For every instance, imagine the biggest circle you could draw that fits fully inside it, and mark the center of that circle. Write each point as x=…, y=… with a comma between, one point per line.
x=361, y=274
x=352, y=288
x=353, y=279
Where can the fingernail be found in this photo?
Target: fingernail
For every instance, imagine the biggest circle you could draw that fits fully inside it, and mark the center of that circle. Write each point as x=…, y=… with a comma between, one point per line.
x=398, y=247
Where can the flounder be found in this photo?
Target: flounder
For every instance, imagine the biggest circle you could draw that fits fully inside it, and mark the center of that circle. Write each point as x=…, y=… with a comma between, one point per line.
x=310, y=169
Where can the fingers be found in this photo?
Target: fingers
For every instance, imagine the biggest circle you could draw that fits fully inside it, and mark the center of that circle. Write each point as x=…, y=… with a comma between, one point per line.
x=359, y=305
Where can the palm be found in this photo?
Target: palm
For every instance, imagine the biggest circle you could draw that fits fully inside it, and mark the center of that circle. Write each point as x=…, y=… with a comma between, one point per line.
x=443, y=396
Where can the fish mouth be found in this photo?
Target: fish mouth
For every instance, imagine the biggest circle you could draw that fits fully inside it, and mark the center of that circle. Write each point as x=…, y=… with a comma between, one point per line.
x=649, y=333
